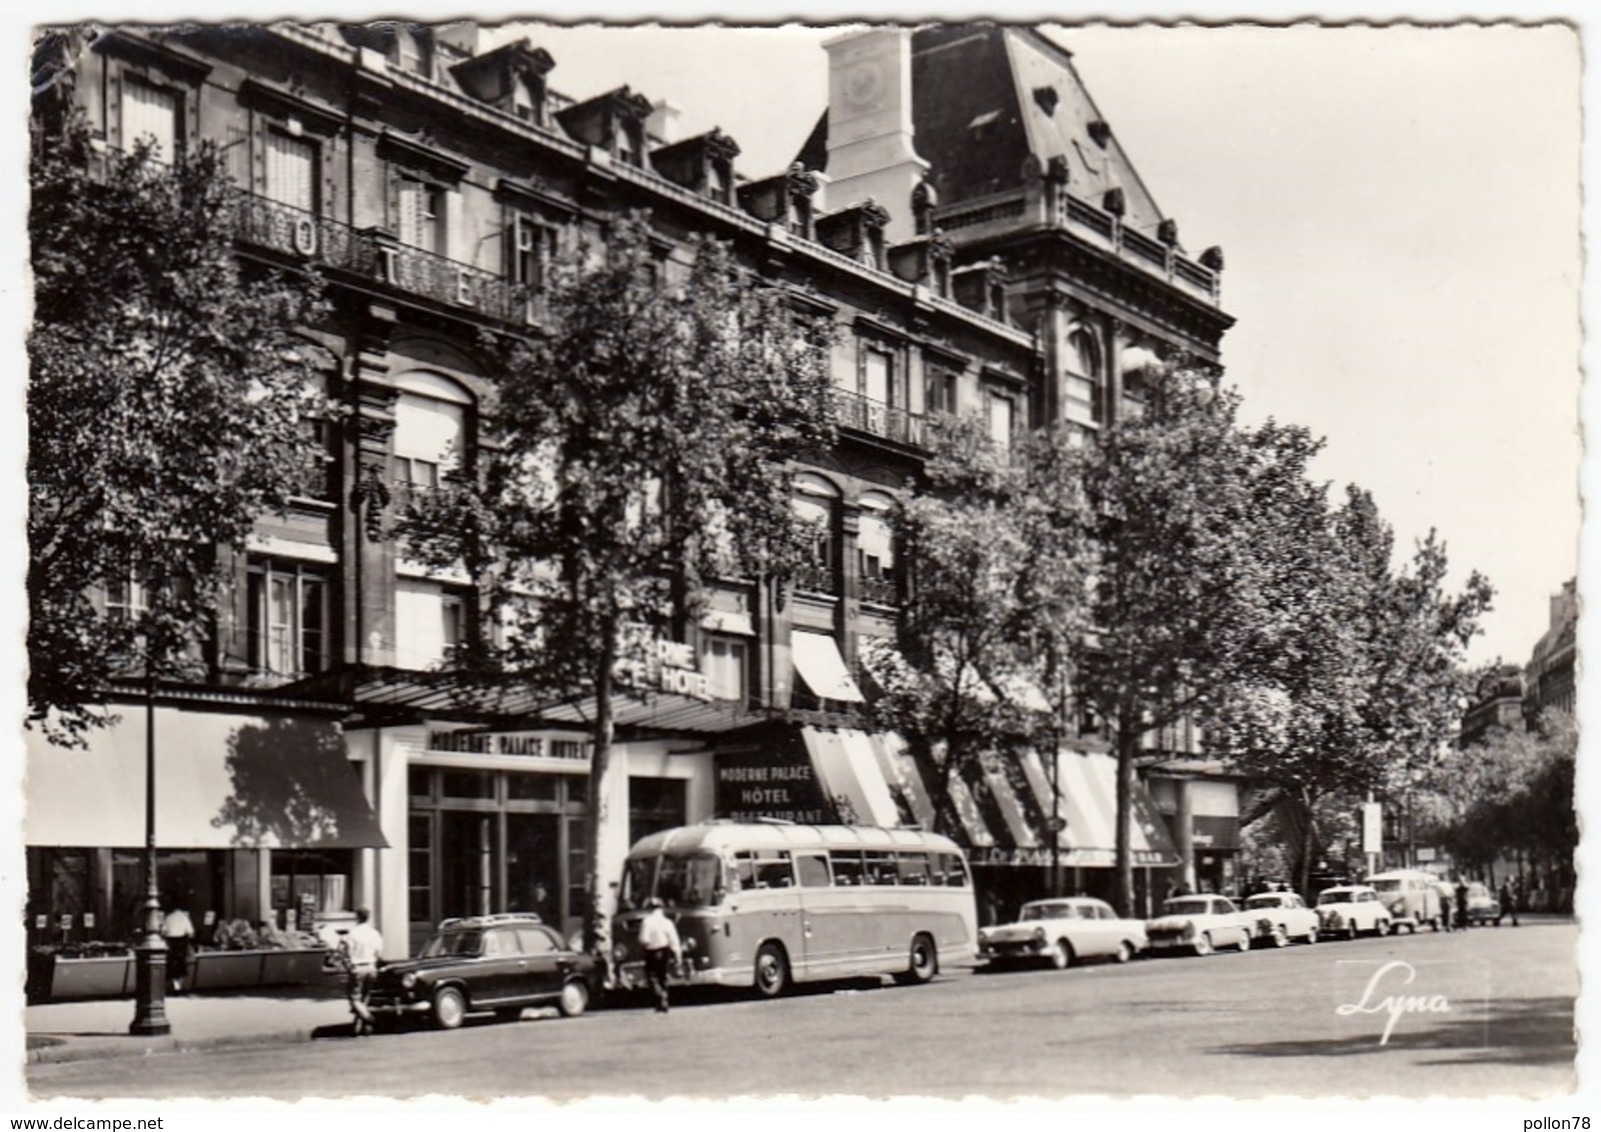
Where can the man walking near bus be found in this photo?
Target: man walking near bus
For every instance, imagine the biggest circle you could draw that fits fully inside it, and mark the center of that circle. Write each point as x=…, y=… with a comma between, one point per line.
x=658, y=936
x=362, y=946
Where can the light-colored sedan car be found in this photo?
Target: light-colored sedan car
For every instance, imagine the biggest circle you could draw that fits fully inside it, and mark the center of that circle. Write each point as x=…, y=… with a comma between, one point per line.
x=1061, y=932
x=1352, y=909
x=1202, y=924
x=1279, y=917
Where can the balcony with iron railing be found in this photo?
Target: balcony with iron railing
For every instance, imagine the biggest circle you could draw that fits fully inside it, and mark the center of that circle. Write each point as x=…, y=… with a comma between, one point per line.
x=875, y=418
x=377, y=255
x=817, y=578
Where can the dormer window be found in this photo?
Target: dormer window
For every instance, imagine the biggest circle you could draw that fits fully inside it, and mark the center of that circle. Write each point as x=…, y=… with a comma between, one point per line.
x=414, y=51
x=630, y=143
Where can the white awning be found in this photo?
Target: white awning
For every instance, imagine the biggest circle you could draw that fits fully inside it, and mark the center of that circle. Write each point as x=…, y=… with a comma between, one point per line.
x=819, y=663
x=848, y=770
x=728, y=621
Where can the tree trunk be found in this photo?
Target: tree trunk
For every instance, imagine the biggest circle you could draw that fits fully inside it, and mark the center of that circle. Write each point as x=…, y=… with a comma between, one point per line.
x=1308, y=846
x=1127, y=741
x=597, y=913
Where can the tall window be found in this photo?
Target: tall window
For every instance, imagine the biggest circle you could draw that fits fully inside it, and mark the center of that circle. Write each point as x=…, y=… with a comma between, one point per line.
x=288, y=618
x=421, y=223
x=150, y=112
x=429, y=434
x=875, y=552
x=939, y=391
x=878, y=376
x=126, y=599
x=818, y=515
x=292, y=171
x=723, y=661
x=1083, y=378
x=631, y=142
x=430, y=624
x=1001, y=412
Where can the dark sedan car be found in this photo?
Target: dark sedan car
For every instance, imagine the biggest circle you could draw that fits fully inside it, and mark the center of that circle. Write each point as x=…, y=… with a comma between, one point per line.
x=496, y=963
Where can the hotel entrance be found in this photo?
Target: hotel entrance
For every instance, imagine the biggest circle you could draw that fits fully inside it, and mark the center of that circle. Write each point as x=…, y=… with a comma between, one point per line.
x=485, y=841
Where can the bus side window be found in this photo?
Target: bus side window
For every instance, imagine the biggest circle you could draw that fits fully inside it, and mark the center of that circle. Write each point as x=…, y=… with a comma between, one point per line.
x=913, y=868
x=847, y=867
x=744, y=870
x=774, y=872
x=813, y=869
x=880, y=868
x=952, y=870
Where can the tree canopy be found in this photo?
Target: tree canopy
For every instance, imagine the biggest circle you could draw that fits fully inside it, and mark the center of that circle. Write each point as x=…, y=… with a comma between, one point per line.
x=169, y=399
x=645, y=440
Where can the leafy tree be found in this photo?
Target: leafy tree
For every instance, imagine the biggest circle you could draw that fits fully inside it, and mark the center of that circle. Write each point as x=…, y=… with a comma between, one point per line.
x=645, y=441
x=995, y=603
x=1198, y=535
x=167, y=399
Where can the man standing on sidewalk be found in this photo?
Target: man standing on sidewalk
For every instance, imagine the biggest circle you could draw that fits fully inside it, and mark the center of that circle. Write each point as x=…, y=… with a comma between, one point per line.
x=659, y=937
x=362, y=945
x=1509, y=904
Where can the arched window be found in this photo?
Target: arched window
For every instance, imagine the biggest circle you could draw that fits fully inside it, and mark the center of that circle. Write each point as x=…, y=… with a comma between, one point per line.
x=430, y=430
x=816, y=504
x=875, y=551
x=1085, y=373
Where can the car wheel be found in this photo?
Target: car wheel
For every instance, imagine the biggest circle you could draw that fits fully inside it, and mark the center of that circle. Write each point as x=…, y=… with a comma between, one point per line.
x=922, y=963
x=1203, y=946
x=1244, y=944
x=1434, y=924
x=574, y=998
x=1311, y=935
x=1350, y=930
x=450, y=1007
x=1280, y=937
x=772, y=971
x=1125, y=951
x=1384, y=928
x=1062, y=955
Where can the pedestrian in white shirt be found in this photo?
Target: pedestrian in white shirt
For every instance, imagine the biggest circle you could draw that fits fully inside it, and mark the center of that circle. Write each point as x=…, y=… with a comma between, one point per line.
x=658, y=936
x=362, y=946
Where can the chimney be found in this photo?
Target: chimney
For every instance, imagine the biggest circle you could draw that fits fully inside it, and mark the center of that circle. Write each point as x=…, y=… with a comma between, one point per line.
x=663, y=122
x=870, y=144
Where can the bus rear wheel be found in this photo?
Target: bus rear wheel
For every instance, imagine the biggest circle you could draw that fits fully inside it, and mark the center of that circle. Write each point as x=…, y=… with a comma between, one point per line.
x=772, y=971
x=922, y=963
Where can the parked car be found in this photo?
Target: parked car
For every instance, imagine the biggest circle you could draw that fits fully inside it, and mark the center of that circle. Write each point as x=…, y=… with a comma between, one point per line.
x=1483, y=905
x=1352, y=909
x=1279, y=917
x=1061, y=932
x=499, y=963
x=1411, y=896
x=1202, y=924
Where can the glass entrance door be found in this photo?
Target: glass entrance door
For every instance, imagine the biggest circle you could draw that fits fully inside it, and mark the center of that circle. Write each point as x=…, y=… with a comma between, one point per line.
x=533, y=865
x=467, y=863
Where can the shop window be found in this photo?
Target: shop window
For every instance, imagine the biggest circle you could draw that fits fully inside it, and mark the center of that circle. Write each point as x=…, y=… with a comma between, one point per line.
x=288, y=618
x=150, y=113
x=318, y=879
x=468, y=784
x=724, y=662
x=292, y=171
x=532, y=787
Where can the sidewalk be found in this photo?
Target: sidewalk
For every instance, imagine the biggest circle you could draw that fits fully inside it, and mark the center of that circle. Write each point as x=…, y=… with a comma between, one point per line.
x=73, y=1031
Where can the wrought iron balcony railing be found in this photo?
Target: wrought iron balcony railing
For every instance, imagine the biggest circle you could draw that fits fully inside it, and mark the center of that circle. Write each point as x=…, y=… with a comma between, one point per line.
x=863, y=414
x=378, y=255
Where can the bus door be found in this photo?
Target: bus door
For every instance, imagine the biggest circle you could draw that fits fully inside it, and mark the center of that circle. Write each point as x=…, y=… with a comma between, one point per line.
x=828, y=917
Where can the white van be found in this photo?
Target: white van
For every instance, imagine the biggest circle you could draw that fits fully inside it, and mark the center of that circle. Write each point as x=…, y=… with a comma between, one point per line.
x=1411, y=897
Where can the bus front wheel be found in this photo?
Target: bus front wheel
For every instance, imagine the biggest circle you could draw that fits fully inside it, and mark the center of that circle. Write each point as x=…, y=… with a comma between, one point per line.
x=922, y=963
x=772, y=971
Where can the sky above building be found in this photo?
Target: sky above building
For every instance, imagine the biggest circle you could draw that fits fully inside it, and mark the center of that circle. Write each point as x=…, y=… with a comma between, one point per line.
x=1399, y=211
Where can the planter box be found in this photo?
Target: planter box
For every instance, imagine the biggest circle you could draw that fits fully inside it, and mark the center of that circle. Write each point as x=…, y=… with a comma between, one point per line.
x=233, y=970
x=91, y=978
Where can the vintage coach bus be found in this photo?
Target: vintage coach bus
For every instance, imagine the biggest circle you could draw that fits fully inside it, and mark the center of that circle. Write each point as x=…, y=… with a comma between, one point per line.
x=767, y=904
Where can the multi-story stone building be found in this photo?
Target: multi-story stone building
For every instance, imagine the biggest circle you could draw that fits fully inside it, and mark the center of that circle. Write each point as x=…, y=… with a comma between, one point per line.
x=1006, y=261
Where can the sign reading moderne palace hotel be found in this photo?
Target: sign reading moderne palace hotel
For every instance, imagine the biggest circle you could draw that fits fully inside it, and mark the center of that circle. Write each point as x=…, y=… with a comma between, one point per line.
x=752, y=786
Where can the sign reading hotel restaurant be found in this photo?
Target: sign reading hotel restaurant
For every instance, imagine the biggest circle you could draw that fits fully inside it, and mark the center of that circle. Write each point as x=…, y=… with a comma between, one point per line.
x=660, y=665
x=769, y=785
x=525, y=744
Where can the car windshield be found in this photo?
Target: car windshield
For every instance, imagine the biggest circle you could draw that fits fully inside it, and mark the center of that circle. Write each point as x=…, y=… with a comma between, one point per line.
x=1265, y=902
x=1187, y=907
x=681, y=882
x=1047, y=912
x=1387, y=885
x=467, y=941
x=1336, y=896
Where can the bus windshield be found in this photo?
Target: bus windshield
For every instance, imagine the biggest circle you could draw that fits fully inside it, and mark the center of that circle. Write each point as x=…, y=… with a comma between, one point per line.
x=681, y=882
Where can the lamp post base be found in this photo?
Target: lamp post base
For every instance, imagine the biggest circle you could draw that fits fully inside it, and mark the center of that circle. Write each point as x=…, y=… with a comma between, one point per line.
x=150, y=989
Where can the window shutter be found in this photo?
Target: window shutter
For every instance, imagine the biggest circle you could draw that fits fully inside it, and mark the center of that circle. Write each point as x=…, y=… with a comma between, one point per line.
x=150, y=112
x=290, y=172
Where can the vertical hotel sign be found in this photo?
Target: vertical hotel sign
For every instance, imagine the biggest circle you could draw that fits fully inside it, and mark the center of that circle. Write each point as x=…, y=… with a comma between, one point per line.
x=770, y=785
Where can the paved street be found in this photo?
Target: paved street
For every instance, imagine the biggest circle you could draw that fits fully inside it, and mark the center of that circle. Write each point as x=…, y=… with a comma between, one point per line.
x=1491, y=1013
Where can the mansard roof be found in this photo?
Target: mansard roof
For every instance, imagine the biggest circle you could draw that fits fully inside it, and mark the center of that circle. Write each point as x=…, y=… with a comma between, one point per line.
x=991, y=104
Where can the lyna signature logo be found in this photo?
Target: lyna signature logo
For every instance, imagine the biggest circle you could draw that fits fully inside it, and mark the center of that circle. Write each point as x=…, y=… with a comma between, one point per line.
x=1381, y=996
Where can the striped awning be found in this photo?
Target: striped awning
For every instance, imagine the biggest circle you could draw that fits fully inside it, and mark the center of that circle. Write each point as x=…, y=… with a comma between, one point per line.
x=848, y=769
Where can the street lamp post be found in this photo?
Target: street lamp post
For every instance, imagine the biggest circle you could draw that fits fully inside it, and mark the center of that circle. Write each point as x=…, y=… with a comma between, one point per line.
x=150, y=969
